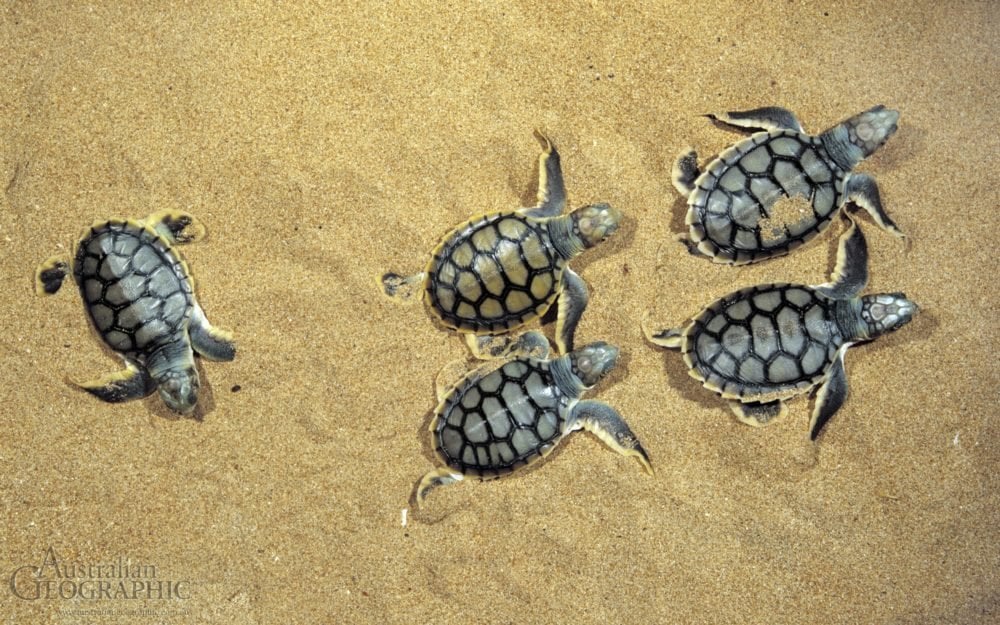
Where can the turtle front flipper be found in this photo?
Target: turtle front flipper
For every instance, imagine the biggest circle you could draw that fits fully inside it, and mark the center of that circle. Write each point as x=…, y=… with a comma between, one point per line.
x=572, y=302
x=209, y=341
x=851, y=273
x=766, y=118
x=605, y=423
x=133, y=382
x=50, y=275
x=830, y=397
x=685, y=172
x=176, y=226
x=862, y=190
x=551, y=190
x=438, y=477
x=757, y=413
x=400, y=287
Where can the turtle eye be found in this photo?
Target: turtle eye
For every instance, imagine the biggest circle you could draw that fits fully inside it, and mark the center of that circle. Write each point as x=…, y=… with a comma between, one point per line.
x=583, y=363
x=592, y=362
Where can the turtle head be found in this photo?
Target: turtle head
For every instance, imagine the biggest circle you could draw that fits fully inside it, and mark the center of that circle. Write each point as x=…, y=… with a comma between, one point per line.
x=868, y=131
x=179, y=388
x=857, y=138
x=595, y=223
x=592, y=362
x=885, y=312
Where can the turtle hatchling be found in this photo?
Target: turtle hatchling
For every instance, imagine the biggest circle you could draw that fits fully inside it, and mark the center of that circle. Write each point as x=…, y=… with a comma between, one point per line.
x=498, y=419
x=779, y=188
x=498, y=272
x=764, y=344
x=140, y=297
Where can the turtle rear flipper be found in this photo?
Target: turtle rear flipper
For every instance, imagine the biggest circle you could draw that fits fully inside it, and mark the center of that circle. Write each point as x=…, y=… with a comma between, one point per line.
x=671, y=338
x=438, y=477
x=758, y=413
x=50, y=275
x=402, y=287
x=766, y=118
x=176, y=226
x=133, y=382
x=685, y=172
x=209, y=341
x=490, y=346
x=531, y=344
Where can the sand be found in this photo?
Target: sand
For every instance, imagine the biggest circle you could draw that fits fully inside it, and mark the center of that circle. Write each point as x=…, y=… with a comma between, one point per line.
x=322, y=145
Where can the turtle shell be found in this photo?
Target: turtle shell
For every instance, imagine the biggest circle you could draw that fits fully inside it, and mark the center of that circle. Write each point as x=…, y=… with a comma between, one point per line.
x=494, y=274
x=764, y=197
x=135, y=288
x=491, y=424
x=765, y=342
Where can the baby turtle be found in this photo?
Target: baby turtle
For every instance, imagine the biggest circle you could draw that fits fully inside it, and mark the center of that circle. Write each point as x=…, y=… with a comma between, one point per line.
x=777, y=189
x=761, y=345
x=139, y=295
x=497, y=420
x=498, y=272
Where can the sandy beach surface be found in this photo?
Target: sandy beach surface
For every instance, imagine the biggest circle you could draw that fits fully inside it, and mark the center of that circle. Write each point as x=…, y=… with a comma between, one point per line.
x=324, y=144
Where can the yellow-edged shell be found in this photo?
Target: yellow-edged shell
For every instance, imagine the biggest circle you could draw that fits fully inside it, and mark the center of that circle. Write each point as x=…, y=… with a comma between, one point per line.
x=135, y=286
x=763, y=343
x=494, y=274
x=764, y=197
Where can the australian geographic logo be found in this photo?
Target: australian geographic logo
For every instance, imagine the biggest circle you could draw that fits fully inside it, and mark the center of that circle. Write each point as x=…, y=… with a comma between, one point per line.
x=117, y=580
